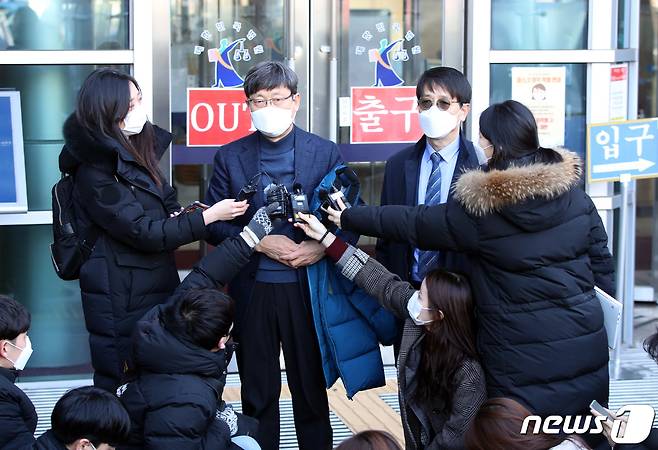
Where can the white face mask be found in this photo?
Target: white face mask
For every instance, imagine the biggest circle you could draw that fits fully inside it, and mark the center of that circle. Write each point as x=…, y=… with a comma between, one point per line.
x=482, y=153
x=134, y=121
x=415, y=309
x=26, y=352
x=272, y=121
x=437, y=124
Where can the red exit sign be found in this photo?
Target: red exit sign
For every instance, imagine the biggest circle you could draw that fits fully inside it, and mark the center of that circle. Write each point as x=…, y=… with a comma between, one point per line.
x=216, y=116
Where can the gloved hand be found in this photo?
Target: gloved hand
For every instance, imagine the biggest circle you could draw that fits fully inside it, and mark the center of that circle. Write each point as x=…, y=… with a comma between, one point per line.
x=228, y=416
x=259, y=226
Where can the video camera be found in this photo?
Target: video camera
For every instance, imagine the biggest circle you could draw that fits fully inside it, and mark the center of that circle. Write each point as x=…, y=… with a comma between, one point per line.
x=290, y=205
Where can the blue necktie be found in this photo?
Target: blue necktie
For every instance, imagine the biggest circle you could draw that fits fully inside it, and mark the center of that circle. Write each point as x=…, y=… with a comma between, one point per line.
x=427, y=259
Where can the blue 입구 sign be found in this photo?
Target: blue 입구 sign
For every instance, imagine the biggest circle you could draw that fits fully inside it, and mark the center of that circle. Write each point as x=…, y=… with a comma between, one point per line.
x=13, y=193
x=622, y=148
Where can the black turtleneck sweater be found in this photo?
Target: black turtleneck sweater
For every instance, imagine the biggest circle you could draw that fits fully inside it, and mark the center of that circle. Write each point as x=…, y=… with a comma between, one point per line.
x=277, y=163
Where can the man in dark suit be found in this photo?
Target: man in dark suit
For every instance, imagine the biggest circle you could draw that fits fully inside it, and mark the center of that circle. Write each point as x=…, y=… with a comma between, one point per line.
x=271, y=293
x=424, y=172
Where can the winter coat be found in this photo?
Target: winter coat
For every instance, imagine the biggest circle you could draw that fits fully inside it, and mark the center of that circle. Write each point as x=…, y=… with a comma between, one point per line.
x=537, y=248
x=48, y=441
x=349, y=323
x=173, y=402
x=132, y=266
x=18, y=418
x=434, y=428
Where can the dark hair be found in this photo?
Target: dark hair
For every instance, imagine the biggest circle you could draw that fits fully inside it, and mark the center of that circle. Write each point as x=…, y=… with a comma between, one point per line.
x=450, y=80
x=370, y=440
x=651, y=346
x=539, y=86
x=90, y=413
x=512, y=130
x=269, y=75
x=103, y=102
x=14, y=318
x=449, y=341
x=200, y=316
x=498, y=425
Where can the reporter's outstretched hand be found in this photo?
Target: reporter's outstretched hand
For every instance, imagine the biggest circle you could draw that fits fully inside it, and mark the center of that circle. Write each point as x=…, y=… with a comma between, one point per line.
x=260, y=224
x=315, y=230
x=333, y=214
x=227, y=209
x=313, y=227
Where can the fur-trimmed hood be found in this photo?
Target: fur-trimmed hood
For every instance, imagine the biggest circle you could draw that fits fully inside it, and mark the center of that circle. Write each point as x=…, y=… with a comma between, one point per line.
x=484, y=192
x=92, y=148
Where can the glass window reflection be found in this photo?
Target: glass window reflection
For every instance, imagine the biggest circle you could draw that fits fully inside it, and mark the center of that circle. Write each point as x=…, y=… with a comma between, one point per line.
x=64, y=25
x=575, y=104
x=539, y=25
x=43, y=120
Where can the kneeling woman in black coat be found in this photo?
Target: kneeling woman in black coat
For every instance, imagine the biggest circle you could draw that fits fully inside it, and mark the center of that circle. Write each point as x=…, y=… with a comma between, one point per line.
x=113, y=151
x=537, y=248
x=440, y=380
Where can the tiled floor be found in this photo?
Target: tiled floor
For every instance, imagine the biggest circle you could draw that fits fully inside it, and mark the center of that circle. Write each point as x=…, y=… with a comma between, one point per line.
x=377, y=408
x=637, y=382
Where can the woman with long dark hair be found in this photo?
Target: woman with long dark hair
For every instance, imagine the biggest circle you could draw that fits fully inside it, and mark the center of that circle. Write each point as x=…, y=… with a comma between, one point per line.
x=112, y=151
x=498, y=423
x=536, y=247
x=440, y=381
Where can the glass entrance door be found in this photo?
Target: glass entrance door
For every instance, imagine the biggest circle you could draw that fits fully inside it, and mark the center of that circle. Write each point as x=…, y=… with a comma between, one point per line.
x=333, y=46
x=358, y=44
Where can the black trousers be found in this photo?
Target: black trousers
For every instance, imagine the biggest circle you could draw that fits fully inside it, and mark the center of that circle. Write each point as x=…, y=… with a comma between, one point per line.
x=279, y=316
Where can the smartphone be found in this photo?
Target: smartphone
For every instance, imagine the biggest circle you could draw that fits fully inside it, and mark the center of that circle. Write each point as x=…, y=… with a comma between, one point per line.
x=194, y=206
x=596, y=406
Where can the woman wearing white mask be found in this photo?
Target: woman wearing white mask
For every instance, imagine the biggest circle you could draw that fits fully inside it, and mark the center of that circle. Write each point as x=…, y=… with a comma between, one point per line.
x=440, y=381
x=120, y=196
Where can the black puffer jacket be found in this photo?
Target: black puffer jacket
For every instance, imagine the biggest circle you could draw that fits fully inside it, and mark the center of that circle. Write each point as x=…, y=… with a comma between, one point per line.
x=18, y=418
x=172, y=403
x=132, y=267
x=537, y=248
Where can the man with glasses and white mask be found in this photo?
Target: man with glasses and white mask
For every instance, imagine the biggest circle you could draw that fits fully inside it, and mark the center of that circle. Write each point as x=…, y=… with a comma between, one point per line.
x=423, y=173
x=18, y=418
x=273, y=311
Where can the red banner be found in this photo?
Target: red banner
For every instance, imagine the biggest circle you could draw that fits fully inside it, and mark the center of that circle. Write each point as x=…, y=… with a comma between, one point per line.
x=384, y=115
x=216, y=116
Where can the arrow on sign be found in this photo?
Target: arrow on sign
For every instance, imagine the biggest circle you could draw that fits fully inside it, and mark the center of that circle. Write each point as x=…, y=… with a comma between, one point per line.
x=640, y=165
